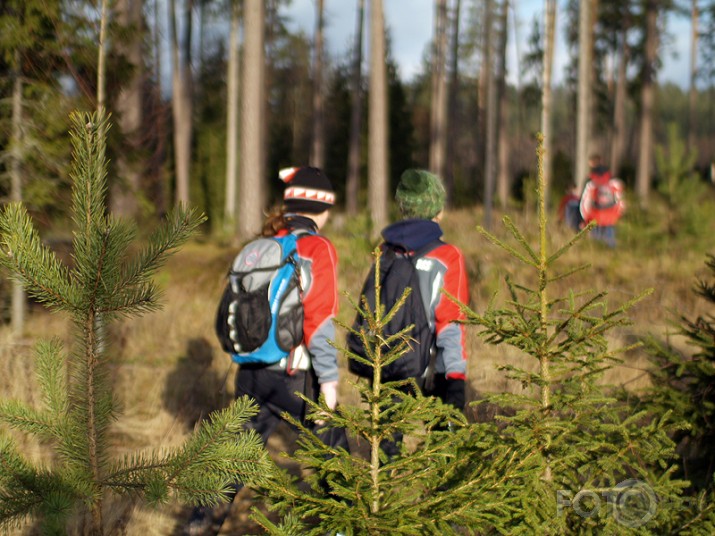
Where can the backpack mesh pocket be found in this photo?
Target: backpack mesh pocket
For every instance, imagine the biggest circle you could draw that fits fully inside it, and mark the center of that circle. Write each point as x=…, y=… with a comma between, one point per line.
x=250, y=318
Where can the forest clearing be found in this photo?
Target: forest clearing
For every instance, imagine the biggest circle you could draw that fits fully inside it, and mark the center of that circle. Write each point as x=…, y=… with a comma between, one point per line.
x=168, y=371
x=590, y=370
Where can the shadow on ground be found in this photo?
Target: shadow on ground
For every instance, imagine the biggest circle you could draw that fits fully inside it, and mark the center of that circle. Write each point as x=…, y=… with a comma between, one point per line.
x=196, y=386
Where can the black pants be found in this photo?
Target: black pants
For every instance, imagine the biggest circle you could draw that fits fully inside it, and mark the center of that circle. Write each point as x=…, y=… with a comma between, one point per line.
x=274, y=393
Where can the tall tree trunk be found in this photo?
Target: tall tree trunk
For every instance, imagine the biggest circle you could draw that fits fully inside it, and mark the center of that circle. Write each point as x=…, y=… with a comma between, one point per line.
x=483, y=89
x=618, y=145
x=549, y=40
x=438, y=116
x=130, y=108
x=18, y=301
x=352, y=187
x=95, y=324
x=232, y=119
x=101, y=59
x=182, y=101
x=503, y=180
x=692, y=97
x=317, y=152
x=583, y=120
x=645, y=150
x=377, y=120
x=253, y=172
x=158, y=186
x=490, y=156
x=453, y=91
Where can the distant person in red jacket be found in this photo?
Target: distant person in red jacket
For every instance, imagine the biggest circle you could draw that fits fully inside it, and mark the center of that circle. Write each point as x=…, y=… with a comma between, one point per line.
x=602, y=201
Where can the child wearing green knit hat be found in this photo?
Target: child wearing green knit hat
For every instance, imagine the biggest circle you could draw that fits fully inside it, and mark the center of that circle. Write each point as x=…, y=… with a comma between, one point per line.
x=420, y=194
x=440, y=266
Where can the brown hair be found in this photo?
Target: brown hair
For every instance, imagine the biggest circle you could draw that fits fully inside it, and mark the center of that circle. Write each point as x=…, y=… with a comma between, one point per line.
x=274, y=222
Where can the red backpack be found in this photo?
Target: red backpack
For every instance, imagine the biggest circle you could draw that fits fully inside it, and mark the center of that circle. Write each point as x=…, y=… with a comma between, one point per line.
x=602, y=198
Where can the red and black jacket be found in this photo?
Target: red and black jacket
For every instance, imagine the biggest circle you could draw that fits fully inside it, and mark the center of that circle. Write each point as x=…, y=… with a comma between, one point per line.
x=441, y=269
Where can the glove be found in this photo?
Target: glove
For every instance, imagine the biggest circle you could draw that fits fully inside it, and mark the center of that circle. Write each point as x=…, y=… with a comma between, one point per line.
x=454, y=393
x=330, y=391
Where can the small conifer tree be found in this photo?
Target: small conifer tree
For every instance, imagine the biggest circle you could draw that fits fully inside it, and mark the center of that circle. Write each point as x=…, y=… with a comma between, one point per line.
x=682, y=383
x=449, y=476
x=604, y=469
x=105, y=283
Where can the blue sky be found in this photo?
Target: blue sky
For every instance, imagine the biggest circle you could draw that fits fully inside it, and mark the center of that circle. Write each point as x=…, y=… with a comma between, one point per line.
x=410, y=23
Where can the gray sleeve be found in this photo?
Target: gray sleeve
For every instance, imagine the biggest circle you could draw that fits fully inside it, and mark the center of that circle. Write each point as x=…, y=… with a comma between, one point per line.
x=450, y=350
x=324, y=355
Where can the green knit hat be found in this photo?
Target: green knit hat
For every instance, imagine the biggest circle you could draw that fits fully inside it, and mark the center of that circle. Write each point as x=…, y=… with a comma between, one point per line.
x=420, y=194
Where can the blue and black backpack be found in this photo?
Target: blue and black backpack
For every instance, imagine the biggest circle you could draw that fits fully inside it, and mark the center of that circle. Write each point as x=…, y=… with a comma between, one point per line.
x=260, y=315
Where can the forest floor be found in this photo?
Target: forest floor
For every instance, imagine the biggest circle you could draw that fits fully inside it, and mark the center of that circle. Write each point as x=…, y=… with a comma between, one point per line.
x=169, y=371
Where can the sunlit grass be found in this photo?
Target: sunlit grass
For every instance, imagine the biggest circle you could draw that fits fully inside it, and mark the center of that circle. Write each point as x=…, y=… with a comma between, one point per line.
x=169, y=369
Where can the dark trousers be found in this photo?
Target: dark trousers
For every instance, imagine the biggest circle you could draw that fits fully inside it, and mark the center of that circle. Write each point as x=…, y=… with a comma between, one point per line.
x=274, y=393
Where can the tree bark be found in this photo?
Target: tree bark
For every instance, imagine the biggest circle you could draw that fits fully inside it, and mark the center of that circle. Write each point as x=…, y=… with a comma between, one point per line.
x=18, y=301
x=438, y=115
x=182, y=101
x=130, y=108
x=353, y=180
x=453, y=92
x=645, y=152
x=483, y=90
x=232, y=119
x=618, y=144
x=549, y=39
x=317, y=152
x=583, y=120
x=692, y=97
x=378, y=133
x=503, y=182
x=252, y=114
x=490, y=156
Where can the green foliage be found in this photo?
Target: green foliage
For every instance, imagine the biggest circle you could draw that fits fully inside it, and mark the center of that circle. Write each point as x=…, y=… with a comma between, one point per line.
x=681, y=187
x=29, y=46
x=104, y=283
x=683, y=384
x=448, y=477
x=602, y=467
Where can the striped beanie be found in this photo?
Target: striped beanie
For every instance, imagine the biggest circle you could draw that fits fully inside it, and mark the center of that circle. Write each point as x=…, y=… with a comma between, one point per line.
x=308, y=190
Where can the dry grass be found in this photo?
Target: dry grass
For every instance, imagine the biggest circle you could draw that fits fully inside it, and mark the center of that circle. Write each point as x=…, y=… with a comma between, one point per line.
x=169, y=370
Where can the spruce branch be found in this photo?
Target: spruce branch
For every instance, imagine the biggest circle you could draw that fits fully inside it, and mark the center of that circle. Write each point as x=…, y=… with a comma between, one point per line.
x=30, y=262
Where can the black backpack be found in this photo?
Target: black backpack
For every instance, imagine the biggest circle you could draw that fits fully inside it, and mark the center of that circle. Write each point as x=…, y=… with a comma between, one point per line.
x=260, y=315
x=397, y=272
